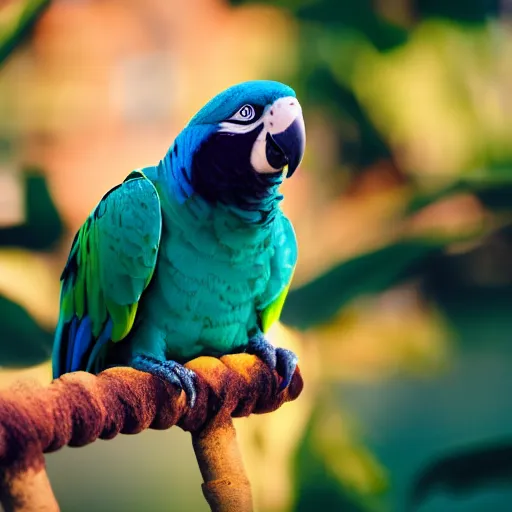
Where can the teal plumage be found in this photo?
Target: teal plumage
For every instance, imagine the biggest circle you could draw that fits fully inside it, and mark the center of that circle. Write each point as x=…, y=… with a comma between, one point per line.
x=215, y=276
x=193, y=256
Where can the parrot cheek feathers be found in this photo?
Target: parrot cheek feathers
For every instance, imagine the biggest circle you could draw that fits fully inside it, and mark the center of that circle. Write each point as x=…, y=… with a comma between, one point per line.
x=259, y=160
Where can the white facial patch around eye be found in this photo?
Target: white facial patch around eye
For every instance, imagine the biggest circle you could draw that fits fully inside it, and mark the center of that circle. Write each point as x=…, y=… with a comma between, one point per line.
x=226, y=126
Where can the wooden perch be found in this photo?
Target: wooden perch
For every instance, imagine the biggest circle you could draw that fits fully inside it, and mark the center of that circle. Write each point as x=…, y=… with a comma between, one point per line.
x=79, y=408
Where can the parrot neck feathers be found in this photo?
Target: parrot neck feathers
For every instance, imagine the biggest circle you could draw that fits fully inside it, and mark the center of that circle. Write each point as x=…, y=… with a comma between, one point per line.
x=175, y=169
x=196, y=215
x=197, y=166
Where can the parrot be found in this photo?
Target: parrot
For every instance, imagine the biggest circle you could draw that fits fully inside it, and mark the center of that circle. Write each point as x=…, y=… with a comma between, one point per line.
x=193, y=256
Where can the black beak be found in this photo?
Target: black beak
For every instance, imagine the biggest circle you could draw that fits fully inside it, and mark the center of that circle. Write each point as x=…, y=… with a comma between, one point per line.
x=287, y=148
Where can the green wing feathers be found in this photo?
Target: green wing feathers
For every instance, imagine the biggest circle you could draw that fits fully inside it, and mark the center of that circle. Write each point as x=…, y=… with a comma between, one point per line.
x=111, y=262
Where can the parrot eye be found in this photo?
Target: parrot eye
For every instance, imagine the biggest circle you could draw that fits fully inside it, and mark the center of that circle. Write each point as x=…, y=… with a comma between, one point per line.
x=246, y=112
x=244, y=115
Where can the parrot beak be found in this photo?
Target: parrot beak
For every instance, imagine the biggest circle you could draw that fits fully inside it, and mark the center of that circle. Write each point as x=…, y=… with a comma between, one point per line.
x=286, y=149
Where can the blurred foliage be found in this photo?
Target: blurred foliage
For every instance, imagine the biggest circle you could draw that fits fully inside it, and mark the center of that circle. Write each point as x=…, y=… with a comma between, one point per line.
x=333, y=471
x=359, y=141
x=43, y=227
x=465, y=471
x=412, y=94
x=17, y=18
x=317, y=302
x=475, y=11
x=24, y=342
x=317, y=488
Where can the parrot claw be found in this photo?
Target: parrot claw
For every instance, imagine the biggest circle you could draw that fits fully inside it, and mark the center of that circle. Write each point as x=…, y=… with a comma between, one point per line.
x=280, y=359
x=261, y=348
x=170, y=371
x=286, y=365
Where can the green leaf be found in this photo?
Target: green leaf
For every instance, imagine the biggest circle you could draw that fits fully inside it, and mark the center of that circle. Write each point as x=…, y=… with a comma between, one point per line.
x=16, y=21
x=464, y=471
x=496, y=199
x=43, y=227
x=423, y=199
x=355, y=14
x=23, y=342
x=493, y=186
x=291, y=5
x=316, y=487
x=322, y=88
x=475, y=11
x=320, y=300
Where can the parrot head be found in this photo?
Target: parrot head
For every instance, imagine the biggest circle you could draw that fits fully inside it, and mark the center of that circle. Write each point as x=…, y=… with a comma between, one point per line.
x=238, y=148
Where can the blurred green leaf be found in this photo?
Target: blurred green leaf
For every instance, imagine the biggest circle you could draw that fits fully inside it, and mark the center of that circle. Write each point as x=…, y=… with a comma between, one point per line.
x=492, y=185
x=476, y=11
x=422, y=200
x=354, y=14
x=23, y=342
x=473, y=289
x=285, y=4
x=321, y=88
x=43, y=227
x=496, y=199
x=320, y=300
x=464, y=472
x=16, y=21
x=316, y=486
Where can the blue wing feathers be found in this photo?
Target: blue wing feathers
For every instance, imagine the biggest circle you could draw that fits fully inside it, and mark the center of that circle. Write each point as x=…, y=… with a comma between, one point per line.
x=82, y=343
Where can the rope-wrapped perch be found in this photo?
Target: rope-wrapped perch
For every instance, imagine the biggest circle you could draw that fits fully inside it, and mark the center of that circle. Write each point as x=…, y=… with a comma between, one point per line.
x=79, y=408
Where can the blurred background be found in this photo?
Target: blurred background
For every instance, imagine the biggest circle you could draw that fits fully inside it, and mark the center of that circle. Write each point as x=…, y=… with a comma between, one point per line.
x=401, y=307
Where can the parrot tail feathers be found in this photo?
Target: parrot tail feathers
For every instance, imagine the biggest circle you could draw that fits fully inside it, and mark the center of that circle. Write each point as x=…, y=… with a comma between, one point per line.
x=81, y=343
x=75, y=346
x=94, y=363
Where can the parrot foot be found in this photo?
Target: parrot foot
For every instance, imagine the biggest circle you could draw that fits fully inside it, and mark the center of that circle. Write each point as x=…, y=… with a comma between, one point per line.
x=170, y=371
x=280, y=359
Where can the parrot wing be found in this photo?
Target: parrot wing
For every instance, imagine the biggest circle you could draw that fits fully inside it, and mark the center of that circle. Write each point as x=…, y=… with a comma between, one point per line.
x=111, y=262
x=282, y=267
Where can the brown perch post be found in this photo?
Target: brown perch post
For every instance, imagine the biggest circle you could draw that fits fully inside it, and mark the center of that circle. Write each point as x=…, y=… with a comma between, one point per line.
x=79, y=408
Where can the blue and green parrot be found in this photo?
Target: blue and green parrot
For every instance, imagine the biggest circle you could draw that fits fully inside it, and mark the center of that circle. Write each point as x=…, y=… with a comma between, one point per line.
x=193, y=256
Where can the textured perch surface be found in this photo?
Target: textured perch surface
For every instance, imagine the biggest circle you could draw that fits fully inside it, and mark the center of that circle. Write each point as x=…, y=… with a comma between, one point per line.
x=79, y=408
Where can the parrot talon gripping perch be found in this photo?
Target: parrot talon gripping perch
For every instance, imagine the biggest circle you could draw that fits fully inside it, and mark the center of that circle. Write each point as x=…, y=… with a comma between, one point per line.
x=280, y=359
x=286, y=365
x=260, y=347
x=171, y=372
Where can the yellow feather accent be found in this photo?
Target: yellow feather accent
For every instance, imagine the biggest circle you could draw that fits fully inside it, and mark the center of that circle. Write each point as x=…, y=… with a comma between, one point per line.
x=273, y=311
